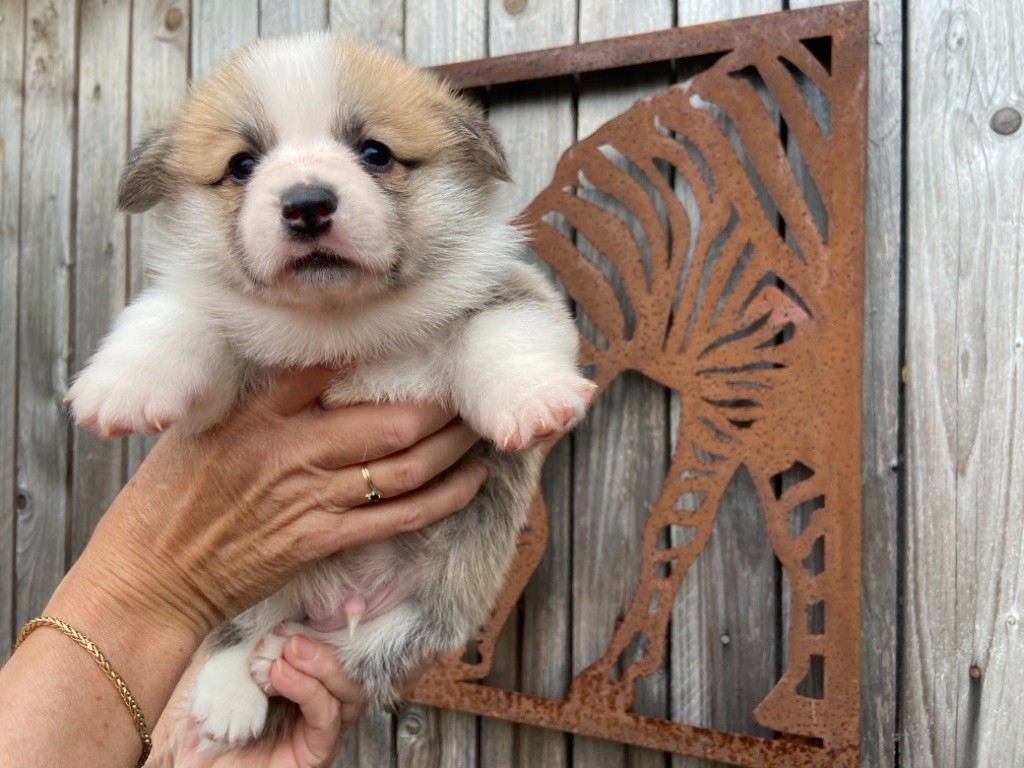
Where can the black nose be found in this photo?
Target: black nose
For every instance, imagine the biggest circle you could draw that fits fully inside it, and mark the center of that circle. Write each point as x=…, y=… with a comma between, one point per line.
x=307, y=208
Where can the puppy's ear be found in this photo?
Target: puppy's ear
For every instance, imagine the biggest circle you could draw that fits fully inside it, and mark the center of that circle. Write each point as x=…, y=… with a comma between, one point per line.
x=146, y=177
x=481, y=141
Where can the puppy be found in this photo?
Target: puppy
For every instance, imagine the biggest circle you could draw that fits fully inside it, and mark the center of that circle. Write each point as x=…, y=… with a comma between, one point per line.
x=317, y=202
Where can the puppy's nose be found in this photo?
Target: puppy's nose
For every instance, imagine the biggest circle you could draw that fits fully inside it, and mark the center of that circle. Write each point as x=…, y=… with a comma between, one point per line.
x=308, y=208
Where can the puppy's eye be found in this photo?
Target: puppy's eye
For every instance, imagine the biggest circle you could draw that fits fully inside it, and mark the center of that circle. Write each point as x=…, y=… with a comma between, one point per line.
x=376, y=155
x=241, y=167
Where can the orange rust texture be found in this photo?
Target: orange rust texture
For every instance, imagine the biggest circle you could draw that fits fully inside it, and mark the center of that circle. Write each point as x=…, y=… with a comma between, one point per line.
x=758, y=325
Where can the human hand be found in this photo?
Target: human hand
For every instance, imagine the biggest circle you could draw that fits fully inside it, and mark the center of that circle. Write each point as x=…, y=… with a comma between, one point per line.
x=215, y=522
x=308, y=674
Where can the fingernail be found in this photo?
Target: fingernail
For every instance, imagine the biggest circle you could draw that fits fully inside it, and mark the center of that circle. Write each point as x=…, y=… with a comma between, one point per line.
x=302, y=648
x=284, y=668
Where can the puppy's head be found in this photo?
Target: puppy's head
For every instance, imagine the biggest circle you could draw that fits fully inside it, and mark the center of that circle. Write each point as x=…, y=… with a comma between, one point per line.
x=314, y=166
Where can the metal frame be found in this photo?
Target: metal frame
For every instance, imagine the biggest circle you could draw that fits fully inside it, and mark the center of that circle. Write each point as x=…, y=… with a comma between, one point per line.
x=756, y=322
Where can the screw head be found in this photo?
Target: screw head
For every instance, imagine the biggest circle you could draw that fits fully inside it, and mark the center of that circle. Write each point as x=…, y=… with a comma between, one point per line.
x=1006, y=121
x=515, y=6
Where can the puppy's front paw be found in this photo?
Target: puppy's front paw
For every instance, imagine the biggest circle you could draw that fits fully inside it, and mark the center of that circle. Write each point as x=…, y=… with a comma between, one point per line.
x=552, y=406
x=228, y=706
x=115, y=402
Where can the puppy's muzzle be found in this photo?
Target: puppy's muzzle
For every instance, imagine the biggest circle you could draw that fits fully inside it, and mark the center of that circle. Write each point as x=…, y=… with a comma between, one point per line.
x=307, y=209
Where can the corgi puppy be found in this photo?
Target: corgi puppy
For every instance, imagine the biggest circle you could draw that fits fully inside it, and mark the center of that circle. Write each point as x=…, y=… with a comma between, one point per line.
x=316, y=202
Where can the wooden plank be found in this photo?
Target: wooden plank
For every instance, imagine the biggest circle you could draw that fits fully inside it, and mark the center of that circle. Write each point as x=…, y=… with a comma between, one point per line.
x=965, y=244
x=536, y=125
x=372, y=741
x=724, y=647
x=440, y=31
x=44, y=303
x=381, y=23
x=818, y=105
x=159, y=77
x=12, y=49
x=283, y=17
x=607, y=53
x=881, y=389
x=218, y=29
x=882, y=517
x=620, y=451
x=436, y=32
x=101, y=268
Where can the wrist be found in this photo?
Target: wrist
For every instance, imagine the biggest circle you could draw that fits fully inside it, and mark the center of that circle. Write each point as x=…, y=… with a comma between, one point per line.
x=144, y=563
x=147, y=646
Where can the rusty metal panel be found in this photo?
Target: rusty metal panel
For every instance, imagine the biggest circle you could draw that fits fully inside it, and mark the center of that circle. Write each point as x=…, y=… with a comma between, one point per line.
x=750, y=307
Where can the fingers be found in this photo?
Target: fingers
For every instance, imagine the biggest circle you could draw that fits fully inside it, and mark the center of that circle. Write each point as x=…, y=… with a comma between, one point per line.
x=389, y=517
x=405, y=471
x=314, y=679
x=316, y=735
x=319, y=661
x=360, y=433
x=293, y=390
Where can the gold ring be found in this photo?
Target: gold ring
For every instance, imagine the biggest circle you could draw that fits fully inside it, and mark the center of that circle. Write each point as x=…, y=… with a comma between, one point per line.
x=373, y=493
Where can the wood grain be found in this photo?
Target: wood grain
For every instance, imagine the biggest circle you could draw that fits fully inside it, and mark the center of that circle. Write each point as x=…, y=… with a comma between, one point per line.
x=101, y=241
x=381, y=23
x=621, y=450
x=219, y=28
x=372, y=741
x=283, y=17
x=965, y=246
x=880, y=579
x=159, y=78
x=437, y=32
x=882, y=513
x=44, y=303
x=536, y=125
x=12, y=41
x=725, y=620
x=963, y=535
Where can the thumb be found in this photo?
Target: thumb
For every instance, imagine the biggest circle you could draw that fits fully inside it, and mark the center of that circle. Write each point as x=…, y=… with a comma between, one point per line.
x=318, y=729
x=295, y=389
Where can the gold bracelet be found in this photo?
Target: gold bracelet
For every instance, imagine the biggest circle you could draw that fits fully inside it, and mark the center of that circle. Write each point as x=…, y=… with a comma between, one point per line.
x=101, y=660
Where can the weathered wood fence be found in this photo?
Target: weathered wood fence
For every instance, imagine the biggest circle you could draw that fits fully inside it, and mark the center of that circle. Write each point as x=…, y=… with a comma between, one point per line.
x=943, y=465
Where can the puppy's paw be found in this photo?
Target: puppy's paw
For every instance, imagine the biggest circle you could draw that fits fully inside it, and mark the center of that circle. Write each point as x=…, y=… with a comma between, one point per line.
x=268, y=650
x=227, y=705
x=554, y=405
x=114, y=402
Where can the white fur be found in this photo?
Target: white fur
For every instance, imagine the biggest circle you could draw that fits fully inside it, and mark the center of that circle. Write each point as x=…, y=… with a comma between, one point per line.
x=295, y=77
x=511, y=388
x=451, y=332
x=143, y=379
x=225, y=677
x=362, y=228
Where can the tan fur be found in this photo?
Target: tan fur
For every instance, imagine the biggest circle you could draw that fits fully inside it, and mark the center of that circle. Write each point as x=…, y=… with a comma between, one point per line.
x=410, y=279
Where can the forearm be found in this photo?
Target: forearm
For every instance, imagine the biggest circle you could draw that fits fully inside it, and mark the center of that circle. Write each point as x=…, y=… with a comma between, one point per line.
x=59, y=707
